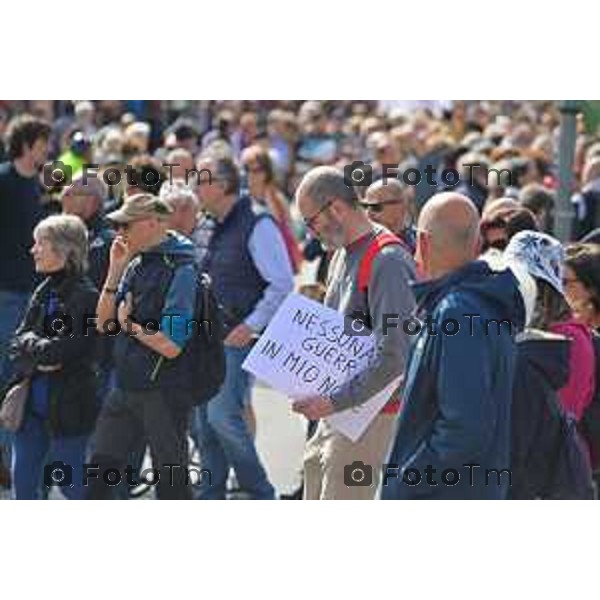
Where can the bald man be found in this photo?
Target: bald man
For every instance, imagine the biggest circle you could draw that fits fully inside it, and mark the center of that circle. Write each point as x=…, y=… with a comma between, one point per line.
x=388, y=203
x=453, y=436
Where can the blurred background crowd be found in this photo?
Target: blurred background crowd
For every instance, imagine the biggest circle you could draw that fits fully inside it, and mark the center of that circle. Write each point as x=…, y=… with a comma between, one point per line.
x=289, y=137
x=274, y=144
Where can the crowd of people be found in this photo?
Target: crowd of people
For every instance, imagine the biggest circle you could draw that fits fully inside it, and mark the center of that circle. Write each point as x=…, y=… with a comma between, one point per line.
x=116, y=209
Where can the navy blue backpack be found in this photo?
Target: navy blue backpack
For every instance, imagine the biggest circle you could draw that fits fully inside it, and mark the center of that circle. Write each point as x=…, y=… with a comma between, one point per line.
x=549, y=459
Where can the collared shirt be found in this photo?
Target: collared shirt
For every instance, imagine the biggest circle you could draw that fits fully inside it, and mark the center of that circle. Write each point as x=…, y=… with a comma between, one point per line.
x=270, y=256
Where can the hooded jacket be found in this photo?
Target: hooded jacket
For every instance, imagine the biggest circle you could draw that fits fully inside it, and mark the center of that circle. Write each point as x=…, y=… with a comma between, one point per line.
x=458, y=389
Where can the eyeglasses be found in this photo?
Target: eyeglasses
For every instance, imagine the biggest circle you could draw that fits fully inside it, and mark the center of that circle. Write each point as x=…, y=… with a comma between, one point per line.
x=379, y=206
x=497, y=223
x=127, y=226
x=310, y=221
x=122, y=226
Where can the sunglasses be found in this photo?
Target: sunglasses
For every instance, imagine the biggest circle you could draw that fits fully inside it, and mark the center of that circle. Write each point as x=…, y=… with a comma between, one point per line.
x=129, y=225
x=123, y=226
x=497, y=223
x=379, y=206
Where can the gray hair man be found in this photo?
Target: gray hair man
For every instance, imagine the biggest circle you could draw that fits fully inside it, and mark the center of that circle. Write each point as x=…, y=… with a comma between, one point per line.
x=86, y=200
x=244, y=253
x=180, y=165
x=184, y=204
x=331, y=210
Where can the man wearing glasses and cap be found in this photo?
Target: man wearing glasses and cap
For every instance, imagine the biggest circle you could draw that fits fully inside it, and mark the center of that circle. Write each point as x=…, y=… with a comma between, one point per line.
x=151, y=277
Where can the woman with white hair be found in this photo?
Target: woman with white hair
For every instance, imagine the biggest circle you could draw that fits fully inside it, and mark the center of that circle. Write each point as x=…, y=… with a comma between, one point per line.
x=55, y=351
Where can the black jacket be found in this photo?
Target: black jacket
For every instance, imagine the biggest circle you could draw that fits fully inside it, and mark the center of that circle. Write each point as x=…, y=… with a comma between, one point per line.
x=542, y=368
x=37, y=341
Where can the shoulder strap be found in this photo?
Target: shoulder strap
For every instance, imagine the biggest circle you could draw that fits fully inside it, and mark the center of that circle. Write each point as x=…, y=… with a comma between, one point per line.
x=366, y=264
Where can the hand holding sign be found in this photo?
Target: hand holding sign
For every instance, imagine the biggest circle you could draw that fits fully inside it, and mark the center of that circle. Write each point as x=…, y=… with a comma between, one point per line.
x=307, y=354
x=314, y=407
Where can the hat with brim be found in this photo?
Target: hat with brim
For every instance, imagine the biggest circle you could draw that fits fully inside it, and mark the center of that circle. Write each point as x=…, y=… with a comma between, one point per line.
x=140, y=206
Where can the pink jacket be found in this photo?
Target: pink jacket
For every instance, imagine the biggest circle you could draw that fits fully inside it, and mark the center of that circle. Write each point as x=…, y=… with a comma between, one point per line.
x=578, y=393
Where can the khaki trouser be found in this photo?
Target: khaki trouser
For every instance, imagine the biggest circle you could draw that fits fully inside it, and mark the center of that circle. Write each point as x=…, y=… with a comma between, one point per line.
x=328, y=453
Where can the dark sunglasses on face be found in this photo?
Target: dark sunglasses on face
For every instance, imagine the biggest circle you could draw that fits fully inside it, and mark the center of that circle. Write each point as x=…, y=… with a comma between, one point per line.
x=499, y=244
x=127, y=226
x=379, y=206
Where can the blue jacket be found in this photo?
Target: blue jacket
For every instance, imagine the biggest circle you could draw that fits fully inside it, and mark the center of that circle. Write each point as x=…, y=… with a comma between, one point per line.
x=162, y=281
x=458, y=389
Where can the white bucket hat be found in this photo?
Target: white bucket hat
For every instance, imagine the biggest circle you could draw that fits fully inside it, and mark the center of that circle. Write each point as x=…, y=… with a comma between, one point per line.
x=542, y=255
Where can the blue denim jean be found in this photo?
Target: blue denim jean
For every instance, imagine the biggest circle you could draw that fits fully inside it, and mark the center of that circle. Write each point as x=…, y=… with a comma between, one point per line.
x=34, y=449
x=225, y=440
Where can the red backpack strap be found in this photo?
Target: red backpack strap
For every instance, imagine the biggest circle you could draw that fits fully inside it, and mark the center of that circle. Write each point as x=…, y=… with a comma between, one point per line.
x=366, y=264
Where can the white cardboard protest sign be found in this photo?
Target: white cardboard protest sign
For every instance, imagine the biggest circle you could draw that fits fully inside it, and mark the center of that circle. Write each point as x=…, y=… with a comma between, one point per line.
x=304, y=352
x=354, y=421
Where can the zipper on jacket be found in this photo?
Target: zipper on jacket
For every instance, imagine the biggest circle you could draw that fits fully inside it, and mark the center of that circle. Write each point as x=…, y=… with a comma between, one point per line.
x=154, y=373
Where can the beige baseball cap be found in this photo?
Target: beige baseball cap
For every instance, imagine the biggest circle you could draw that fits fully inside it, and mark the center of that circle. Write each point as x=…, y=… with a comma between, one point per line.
x=140, y=206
